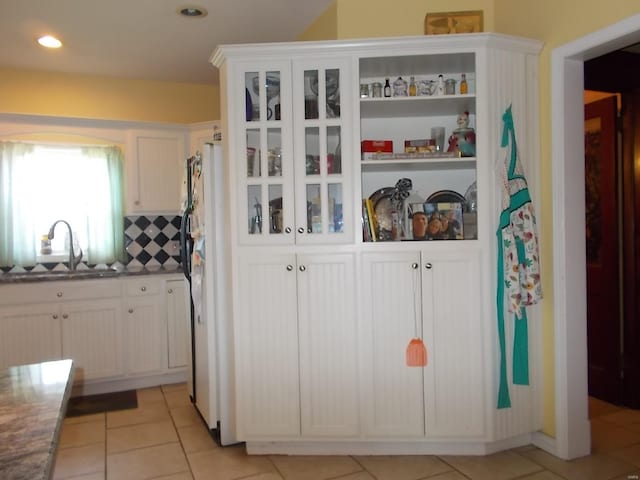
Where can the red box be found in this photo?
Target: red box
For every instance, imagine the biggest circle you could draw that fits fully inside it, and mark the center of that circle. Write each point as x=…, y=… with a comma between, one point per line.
x=377, y=146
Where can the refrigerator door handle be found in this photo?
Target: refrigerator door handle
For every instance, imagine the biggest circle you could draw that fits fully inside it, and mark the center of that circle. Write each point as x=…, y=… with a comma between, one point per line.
x=184, y=245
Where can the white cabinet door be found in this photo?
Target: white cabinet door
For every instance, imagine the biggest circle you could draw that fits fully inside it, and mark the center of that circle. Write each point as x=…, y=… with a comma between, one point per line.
x=328, y=344
x=145, y=328
x=393, y=393
x=177, y=324
x=155, y=164
x=29, y=334
x=266, y=353
x=91, y=336
x=453, y=335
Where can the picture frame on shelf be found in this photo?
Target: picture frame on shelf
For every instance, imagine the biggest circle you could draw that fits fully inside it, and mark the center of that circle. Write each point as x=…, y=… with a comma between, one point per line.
x=470, y=21
x=437, y=221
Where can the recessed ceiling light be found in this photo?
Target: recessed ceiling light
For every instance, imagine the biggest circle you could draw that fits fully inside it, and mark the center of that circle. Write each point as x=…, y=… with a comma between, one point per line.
x=49, y=41
x=192, y=11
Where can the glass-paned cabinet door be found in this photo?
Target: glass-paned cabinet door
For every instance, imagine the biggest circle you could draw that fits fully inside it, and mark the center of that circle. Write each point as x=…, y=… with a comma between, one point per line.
x=322, y=132
x=265, y=170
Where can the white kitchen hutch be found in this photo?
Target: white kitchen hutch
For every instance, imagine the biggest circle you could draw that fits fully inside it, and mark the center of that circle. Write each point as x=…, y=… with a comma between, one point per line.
x=321, y=314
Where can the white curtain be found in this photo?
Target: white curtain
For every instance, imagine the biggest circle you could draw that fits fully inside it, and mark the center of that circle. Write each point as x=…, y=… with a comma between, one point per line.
x=42, y=184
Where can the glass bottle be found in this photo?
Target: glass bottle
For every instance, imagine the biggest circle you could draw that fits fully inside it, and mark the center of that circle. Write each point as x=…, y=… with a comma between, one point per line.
x=440, y=85
x=463, y=85
x=400, y=88
x=387, y=88
x=413, y=90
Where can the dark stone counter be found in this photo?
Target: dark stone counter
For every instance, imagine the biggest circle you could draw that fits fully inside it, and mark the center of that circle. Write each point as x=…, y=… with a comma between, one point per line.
x=48, y=276
x=33, y=402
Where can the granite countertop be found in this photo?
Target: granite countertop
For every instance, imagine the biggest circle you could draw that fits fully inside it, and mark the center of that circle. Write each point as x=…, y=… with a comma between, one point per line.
x=86, y=273
x=33, y=402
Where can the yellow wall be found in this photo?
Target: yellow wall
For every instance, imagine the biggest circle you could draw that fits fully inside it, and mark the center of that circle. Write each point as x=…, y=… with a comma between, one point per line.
x=84, y=96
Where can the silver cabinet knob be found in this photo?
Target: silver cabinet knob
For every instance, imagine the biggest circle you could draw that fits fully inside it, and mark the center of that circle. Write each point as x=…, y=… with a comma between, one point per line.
x=287, y=230
x=170, y=290
x=59, y=294
x=414, y=266
x=143, y=289
x=289, y=268
x=300, y=230
x=302, y=268
x=131, y=310
x=64, y=315
x=428, y=266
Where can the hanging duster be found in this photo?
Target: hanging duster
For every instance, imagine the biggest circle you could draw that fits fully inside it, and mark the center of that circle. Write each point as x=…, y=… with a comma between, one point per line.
x=518, y=263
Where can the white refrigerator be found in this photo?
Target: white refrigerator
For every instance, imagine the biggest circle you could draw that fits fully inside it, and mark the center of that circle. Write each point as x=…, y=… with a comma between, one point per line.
x=204, y=262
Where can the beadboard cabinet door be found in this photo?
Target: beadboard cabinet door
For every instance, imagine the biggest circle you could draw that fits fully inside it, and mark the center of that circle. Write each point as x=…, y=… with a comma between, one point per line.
x=266, y=333
x=92, y=337
x=327, y=323
x=29, y=334
x=177, y=324
x=433, y=296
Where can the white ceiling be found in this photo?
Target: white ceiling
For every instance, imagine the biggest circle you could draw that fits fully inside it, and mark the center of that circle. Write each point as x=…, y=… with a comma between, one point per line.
x=143, y=39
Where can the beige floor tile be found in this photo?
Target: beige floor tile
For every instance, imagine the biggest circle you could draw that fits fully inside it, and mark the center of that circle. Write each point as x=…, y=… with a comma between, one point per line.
x=630, y=455
x=77, y=461
x=265, y=476
x=172, y=387
x=145, y=463
x=177, y=398
x=155, y=412
x=499, y=466
x=196, y=438
x=607, y=437
x=402, y=467
x=592, y=467
x=90, y=476
x=138, y=436
x=448, y=476
x=175, y=476
x=95, y=417
x=78, y=434
x=544, y=475
x=308, y=467
x=357, y=476
x=184, y=416
x=227, y=464
x=150, y=395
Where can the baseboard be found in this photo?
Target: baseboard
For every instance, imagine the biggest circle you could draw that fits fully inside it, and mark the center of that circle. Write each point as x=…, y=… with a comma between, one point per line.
x=544, y=442
x=94, y=387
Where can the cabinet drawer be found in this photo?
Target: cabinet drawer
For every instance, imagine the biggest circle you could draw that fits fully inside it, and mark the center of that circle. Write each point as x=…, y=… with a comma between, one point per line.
x=143, y=286
x=58, y=291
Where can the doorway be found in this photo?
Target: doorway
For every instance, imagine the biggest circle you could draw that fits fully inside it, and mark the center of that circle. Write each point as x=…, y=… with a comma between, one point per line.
x=567, y=148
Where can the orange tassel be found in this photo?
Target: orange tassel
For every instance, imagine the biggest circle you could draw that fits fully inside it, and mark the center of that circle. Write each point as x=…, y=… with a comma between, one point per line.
x=416, y=353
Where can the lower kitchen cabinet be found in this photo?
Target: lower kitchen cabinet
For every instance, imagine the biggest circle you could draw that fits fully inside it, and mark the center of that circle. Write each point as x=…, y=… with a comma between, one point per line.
x=296, y=350
x=434, y=297
x=29, y=334
x=177, y=324
x=92, y=337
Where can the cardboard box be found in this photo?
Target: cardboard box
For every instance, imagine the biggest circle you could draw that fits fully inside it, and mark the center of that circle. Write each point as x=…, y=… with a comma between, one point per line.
x=377, y=146
x=420, y=146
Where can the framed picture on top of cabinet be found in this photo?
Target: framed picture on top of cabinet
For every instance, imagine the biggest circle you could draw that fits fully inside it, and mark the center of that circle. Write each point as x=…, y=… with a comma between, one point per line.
x=453, y=22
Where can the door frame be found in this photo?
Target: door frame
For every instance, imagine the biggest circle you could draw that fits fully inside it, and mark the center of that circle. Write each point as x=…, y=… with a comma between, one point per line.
x=573, y=436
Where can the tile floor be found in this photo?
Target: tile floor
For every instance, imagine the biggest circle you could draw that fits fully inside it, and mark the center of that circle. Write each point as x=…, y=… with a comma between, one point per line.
x=165, y=439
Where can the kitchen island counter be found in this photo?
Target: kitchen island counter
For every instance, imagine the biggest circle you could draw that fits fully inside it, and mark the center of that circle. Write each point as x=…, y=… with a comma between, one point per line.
x=33, y=402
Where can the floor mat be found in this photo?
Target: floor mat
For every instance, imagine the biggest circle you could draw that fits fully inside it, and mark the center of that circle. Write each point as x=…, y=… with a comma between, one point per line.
x=105, y=402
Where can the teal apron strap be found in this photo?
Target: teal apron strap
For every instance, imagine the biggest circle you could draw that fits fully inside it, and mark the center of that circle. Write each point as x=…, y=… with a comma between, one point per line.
x=521, y=338
x=503, y=390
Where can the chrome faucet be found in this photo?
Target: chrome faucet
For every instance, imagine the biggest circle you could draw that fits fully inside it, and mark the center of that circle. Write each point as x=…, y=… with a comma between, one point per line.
x=73, y=260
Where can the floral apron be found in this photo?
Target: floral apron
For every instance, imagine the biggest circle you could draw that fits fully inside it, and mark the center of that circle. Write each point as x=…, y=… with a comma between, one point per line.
x=518, y=263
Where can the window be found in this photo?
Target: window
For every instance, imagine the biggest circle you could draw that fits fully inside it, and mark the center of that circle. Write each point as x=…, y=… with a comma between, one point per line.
x=40, y=184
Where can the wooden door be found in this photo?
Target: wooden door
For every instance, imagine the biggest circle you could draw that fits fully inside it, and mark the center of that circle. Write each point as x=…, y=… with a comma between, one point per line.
x=602, y=246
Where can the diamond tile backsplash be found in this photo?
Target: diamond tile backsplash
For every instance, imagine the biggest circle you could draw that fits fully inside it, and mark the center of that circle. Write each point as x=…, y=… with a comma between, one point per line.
x=152, y=241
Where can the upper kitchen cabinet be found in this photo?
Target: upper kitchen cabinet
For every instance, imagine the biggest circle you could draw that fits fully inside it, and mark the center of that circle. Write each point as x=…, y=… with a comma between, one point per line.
x=287, y=132
x=155, y=163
